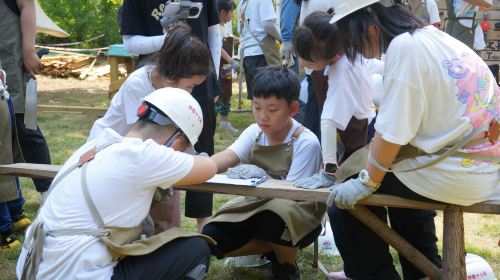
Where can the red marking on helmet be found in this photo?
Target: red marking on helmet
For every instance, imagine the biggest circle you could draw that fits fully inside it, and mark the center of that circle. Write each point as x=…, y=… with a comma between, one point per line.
x=142, y=110
x=193, y=110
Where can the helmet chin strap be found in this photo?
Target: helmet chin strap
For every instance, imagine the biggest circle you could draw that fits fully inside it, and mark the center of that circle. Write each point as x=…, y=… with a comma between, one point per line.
x=172, y=138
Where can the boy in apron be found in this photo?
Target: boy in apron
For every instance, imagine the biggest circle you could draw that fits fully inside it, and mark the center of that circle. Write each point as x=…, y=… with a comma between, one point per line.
x=279, y=147
x=89, y=222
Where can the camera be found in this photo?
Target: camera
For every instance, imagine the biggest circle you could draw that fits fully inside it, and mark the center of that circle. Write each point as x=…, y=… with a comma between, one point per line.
x=176, y=11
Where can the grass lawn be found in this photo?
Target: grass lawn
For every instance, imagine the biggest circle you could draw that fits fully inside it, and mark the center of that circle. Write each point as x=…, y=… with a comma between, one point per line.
x=67, y=131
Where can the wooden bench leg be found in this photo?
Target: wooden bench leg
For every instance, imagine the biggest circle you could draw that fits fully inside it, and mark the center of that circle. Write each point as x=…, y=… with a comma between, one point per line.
x=315, y=254
x=453, y=244
x=397, y=242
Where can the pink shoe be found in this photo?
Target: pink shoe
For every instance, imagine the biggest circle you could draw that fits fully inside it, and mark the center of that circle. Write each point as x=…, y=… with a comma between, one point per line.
x=339, y=275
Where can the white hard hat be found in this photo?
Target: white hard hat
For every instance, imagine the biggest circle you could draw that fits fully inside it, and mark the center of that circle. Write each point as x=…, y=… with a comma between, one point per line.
x=180, y=107
x=477, y=268
x=342, y=8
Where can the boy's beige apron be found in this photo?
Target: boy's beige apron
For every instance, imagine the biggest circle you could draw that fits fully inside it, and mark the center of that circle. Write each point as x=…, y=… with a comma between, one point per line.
x=121, y=241
x=300, y=217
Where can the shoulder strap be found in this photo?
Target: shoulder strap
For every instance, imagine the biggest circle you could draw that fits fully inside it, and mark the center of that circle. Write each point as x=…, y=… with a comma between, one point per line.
x=83, y=162
x=296, y=134
x=88, y=199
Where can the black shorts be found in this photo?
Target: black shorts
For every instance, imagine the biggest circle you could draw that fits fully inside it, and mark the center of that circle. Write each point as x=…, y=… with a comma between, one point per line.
x=265, y=225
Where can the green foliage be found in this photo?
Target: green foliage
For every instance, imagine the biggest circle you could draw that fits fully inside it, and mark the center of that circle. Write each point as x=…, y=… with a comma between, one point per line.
x=84, y=19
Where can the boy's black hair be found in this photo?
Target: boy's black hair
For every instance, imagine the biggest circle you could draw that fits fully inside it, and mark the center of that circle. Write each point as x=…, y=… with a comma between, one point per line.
x=393, y=21
x=313, y=38
x=278, y=82
x=225, y=5
x=182, y=55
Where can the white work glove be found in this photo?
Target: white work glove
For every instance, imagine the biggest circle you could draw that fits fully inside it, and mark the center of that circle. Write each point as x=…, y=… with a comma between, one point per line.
x=318, y=180
x=234, y=65
x=246, y=171
x=347, y=194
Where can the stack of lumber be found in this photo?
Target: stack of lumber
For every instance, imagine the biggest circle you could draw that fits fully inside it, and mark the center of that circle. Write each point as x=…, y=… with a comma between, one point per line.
x=84, y=67
x=65, y=66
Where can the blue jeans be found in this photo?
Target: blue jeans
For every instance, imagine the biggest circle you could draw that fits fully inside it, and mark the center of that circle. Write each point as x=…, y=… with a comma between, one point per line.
x=10, y=209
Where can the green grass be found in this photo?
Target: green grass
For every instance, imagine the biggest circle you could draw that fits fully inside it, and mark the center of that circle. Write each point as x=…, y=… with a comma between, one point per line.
x=66, y=132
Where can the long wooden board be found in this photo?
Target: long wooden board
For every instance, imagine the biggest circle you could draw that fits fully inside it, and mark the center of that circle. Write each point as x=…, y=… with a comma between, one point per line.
x=270, y=188
x=99, y=111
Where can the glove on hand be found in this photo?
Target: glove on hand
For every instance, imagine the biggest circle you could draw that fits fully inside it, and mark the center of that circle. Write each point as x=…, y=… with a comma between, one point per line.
x=286, y=49
x=246, y=171
x=318, y=180
x=347, y=194
x=234, y=65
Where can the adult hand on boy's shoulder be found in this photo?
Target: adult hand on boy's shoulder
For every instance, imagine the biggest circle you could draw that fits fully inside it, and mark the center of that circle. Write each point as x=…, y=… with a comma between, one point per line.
x=347, y=194
x=246, y=171
x=318, y=180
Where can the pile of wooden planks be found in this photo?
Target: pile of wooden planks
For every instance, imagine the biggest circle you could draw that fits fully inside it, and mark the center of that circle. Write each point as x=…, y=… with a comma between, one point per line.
x=76, y=66
x=65, y=66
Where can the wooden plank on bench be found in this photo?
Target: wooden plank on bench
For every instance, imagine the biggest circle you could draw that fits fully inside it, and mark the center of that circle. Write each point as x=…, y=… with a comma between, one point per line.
x=270, y=188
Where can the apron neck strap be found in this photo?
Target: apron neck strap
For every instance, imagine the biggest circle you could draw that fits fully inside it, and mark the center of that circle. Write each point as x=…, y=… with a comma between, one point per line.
x=295, y=135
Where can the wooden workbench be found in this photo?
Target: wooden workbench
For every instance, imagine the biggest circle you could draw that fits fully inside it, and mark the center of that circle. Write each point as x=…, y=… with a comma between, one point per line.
x=453, y=229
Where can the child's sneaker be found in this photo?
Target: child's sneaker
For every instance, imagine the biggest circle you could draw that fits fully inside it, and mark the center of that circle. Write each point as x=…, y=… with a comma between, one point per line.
x=19, y=222
x=9, y=242
x=227, y=126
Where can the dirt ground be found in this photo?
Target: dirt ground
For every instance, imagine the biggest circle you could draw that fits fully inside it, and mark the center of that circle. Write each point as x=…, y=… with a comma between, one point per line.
x=69, y=91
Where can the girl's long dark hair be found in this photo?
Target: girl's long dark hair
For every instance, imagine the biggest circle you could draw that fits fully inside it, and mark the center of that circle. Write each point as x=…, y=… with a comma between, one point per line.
x=182, y=55
x=393, y=21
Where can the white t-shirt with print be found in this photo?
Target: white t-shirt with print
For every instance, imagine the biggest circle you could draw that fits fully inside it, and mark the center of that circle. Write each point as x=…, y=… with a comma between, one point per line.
x=422, y=105
x=122, y=112
x=121, y=180
x=349, y=92
x=255, y=12
x=306, y=159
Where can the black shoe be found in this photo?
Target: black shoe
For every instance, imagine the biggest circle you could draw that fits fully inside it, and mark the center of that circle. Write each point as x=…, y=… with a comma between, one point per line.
x=285, y=271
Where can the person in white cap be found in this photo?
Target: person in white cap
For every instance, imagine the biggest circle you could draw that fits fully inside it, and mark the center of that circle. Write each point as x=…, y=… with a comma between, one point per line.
x=439, y=96
x=104, y=191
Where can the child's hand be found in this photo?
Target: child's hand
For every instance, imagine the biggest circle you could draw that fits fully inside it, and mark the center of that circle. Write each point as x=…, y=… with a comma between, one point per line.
x=246, y=171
